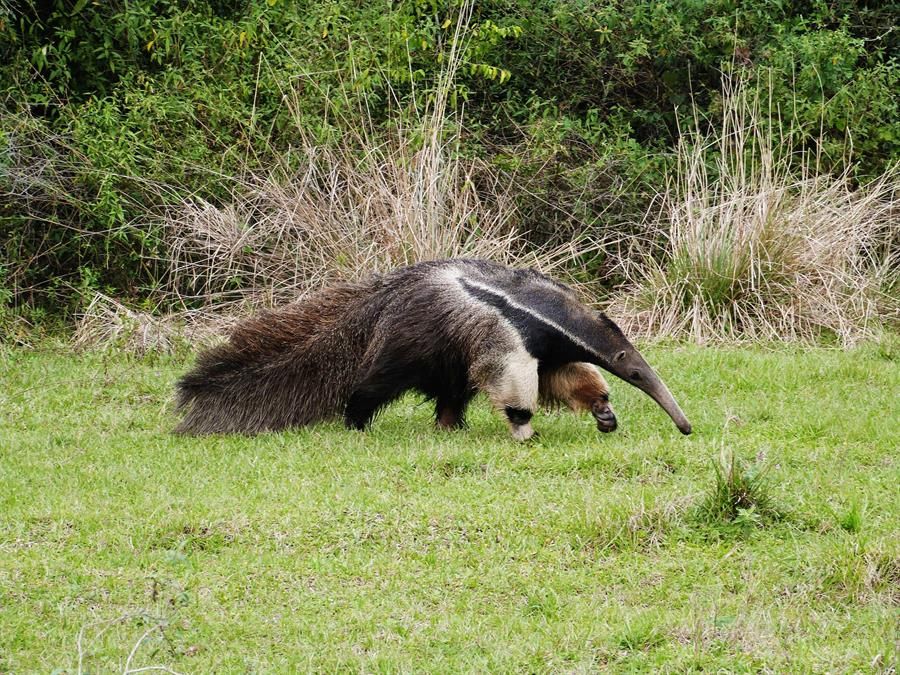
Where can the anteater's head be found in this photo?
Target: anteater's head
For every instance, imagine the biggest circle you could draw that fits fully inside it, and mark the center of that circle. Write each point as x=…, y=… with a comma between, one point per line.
x=624, y=361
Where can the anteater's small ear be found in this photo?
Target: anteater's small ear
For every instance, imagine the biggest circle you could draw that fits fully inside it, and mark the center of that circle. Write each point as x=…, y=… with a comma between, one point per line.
x=620, y=356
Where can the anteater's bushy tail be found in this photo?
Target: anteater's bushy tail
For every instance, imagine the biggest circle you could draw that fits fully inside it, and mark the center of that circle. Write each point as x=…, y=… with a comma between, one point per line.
x=285, y=368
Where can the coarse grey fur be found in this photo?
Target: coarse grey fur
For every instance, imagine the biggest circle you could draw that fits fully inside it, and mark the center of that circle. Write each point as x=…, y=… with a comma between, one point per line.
x=445, y=328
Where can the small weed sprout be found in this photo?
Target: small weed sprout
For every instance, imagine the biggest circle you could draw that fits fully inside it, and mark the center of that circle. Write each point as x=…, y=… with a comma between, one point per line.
x=852, y=520
x=642, y=633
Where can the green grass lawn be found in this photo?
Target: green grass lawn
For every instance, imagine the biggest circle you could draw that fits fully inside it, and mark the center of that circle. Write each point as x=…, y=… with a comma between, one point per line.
x=408, y=548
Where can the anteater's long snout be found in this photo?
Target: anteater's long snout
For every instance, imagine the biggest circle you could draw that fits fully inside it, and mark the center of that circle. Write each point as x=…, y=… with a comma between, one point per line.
x=659, y=392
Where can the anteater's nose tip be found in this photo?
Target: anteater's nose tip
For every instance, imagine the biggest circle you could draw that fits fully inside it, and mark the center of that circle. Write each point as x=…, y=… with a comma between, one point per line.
x=685, y=428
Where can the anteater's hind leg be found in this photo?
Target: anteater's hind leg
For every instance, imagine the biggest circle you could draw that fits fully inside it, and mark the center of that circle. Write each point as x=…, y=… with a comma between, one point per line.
x=385, y=380
x=511, y=382
x=370, y=396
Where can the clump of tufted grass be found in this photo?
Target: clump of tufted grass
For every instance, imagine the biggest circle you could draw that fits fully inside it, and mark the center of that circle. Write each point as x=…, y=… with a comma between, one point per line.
x=852, y=520
x=757, y=244
x=741, y=494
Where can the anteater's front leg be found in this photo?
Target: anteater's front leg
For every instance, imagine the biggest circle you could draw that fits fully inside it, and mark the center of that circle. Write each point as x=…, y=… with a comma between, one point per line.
x=511, y=382
x=450, y=409
x=581, y=387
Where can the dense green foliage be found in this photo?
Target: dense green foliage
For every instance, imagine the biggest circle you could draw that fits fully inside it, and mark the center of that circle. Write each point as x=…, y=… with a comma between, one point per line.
x=112, y=109
x=410, y=549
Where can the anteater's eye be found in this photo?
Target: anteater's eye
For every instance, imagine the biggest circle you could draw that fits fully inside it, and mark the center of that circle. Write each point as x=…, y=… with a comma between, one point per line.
x=635, y=375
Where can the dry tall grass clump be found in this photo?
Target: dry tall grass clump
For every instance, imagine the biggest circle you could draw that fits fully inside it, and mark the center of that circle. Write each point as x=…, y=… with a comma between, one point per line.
x=757, y=245
x=107, y=323
x=342, y=214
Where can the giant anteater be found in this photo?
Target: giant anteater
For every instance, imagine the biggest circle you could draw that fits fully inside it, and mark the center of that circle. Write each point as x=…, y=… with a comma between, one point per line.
x=447, y=329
